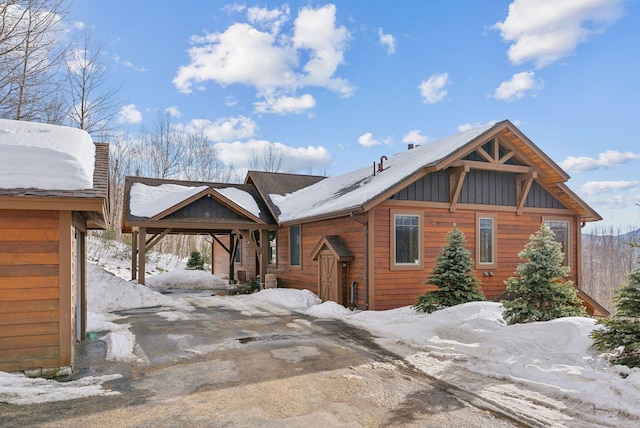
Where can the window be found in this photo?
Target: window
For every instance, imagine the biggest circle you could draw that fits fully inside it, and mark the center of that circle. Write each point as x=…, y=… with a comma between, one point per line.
x=272, y=248
x=486, y=241
x=561, y=229
x=238, y=258
x=406, y=240
x=294, y=245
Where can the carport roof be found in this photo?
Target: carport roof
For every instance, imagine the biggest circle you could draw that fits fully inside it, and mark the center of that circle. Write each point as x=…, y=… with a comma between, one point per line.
x=192, y=206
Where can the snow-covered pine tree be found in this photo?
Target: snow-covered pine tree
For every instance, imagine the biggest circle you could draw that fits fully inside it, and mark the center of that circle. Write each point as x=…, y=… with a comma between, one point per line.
x=195, y=262
x=540, y=289
x=622, y=331
x=453, y=275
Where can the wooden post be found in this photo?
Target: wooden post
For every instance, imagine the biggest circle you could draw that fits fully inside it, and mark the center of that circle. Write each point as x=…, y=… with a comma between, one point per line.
x=142, y=253
x=232, y=256
x=213, y=257
x=134, y=255
x=263, y=253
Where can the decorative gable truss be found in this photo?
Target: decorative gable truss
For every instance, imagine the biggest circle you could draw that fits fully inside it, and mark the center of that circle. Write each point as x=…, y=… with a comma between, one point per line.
x=494, y=155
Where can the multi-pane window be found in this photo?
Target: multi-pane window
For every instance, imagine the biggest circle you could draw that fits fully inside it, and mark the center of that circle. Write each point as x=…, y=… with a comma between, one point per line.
x=407, y=239
x=272, y=248
x=561, y=230
x=486, y=253
x=294, y=245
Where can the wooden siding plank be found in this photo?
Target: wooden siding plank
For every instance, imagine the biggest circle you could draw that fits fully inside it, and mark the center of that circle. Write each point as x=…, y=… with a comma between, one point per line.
x=28, y=258
x=28, y=282
x=29, y=235
x=19, y=294
x=8, y=320
x=29, y=270
x=47, y=353
x=28, y=329
x=30, y=341
x=30, y=306
x=28, y=247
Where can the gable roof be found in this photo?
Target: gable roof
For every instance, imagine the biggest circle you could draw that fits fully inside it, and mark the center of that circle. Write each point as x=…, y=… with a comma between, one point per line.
x=359, y=190
x=152, y=199
x=276, y=183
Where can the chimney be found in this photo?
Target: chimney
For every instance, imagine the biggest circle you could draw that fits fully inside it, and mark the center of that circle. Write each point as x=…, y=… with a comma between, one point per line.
x=410, y=146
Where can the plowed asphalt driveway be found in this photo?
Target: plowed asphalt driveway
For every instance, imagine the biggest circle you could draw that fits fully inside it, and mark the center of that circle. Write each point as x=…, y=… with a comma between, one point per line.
x=221, y=367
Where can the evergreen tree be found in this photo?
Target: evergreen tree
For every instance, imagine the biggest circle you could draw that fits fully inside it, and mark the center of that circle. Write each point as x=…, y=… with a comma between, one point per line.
x=622, y=331
x=453, y=275
x=195, y=262
x=540, y=290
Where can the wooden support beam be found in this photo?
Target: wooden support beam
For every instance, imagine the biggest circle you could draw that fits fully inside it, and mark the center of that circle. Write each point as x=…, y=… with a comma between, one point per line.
x=484, y=155
x=232, y=256
x=506, y=157
x=457, y=177
x=519, y=169
x=221, y=243
x=263, y=253
x=156, y=238
x=523, y=185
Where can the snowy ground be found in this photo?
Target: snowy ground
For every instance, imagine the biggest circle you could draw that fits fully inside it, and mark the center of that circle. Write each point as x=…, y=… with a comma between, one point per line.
x=554, y=360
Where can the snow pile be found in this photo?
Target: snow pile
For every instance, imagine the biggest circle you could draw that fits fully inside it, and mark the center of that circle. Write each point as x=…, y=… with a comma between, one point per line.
x=18, y=389
x=149, y=201
x=109, y=293
x=41, y=156
x=298, y=300
x=186, y=279
x=554, y=357
x=328, y=309
x=242, y=198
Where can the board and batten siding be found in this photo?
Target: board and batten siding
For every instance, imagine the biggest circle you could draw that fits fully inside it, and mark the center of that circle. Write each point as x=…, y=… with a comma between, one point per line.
x=396, y=288
x=29, y=289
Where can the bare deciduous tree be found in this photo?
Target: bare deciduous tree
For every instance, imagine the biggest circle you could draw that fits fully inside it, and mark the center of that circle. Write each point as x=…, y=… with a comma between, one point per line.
x=270, y=160
x=164, y=149
x=31, y=50
x=90, y=104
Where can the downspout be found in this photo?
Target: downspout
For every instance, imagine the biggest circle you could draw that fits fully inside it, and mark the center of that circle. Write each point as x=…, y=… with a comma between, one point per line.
x=366, y=258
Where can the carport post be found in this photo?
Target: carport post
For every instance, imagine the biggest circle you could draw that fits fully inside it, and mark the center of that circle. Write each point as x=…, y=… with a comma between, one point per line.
x=134, y=254
x=263, y=253
x=232, y=256
x=142, y=238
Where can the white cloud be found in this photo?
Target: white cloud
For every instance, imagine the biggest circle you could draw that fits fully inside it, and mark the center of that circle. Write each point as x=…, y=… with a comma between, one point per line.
x=518, y=86
x=607, y=159
x=433, y=89
x=127, y=63
x=271, y=19
x=468, y=126
x=226, y=128
x=544, y=31
x=285, y=104
x=388, y=41
x=295, y=159
x=79, y=25
x=415, y=137
x=173, y=111
x=271, y=62
x=595, y=187
x=129, y=114
x=367, y=140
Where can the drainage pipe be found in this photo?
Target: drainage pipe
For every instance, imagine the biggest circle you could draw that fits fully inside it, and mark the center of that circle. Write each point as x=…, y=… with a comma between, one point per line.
x=366, y=258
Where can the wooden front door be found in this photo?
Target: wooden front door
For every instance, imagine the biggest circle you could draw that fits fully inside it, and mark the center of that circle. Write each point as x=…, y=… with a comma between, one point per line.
x=328, y=284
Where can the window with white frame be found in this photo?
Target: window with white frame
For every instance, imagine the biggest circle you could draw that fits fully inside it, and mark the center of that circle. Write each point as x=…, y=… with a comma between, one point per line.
x=486, y=257
x=406, y=239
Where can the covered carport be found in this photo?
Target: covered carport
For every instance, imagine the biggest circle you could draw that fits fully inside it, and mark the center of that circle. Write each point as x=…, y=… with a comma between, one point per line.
x=154, y=208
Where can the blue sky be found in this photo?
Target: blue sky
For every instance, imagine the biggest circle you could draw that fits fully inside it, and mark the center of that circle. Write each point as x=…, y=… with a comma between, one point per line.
x=335, y=86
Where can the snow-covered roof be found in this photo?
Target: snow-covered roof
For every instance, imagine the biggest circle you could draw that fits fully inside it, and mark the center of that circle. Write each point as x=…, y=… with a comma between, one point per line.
x=42, y=156
x=354, y=189
x=149, y=201
x=241, y=198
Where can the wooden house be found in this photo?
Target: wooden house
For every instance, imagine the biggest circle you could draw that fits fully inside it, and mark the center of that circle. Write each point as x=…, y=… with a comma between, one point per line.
x=370, y=237
x=43, y=286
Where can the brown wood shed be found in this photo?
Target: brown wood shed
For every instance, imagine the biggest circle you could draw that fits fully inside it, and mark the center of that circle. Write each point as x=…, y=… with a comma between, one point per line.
x=43, y=284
